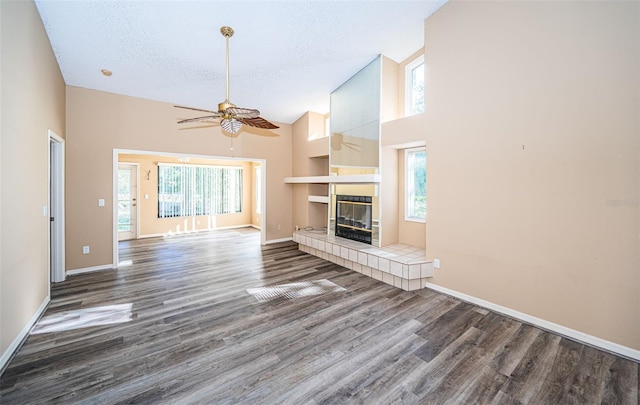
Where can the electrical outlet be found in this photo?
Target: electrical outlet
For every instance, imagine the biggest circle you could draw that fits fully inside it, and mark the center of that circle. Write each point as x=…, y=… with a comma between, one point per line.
x=436, y=263
x=85, y=250
x=101, y=202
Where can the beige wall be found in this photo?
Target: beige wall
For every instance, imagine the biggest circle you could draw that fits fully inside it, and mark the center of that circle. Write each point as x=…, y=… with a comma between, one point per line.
x=533, y=149
x=396, y=136
x=256, y=217
x=98, y=123
x=310, y=158
x=32, y=103
x=389, y=94
x=150, y=224
x=388, y=190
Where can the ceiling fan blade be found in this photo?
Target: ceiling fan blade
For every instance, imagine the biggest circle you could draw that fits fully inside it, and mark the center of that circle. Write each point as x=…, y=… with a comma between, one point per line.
x=257, y=122
x=198, y=119
x=230, y=125
x=352, y=146
x=239, y=112
x=196, y=109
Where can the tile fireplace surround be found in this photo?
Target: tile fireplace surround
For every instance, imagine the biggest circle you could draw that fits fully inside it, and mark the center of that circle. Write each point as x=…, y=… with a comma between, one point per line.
x=399, y=265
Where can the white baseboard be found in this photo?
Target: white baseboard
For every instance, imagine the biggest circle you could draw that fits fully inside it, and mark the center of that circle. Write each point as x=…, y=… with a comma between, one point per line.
x=17, y=342
x=268, y=242
x=151, y=235
x=546, y=325
x=220, y=228
x=256, y=227
x=89, y=269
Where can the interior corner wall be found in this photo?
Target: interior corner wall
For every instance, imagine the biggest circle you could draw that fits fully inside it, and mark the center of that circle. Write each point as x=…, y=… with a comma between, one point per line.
x=305, y=154
x=389, y=90
x=300, y=203
x=389, y=194
x=99, y=122
x=533, y=173
x=33, y=95
x=256, y=217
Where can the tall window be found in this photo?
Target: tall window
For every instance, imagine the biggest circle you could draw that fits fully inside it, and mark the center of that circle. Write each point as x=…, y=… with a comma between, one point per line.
x=189, y=190
x=415, y=167
x=414, y=86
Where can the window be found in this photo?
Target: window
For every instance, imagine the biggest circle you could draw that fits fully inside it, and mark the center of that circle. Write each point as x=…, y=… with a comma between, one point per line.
x=189, y=190
x=318, y=135
x=414, y=86
x=415, y=167
x=258, y=189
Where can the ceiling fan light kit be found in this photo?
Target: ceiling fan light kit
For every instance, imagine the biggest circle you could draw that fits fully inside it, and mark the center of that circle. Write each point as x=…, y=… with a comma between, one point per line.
x=231, y=117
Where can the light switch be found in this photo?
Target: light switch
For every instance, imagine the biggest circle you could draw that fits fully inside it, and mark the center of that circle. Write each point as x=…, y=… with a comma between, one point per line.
x=101, y=202
x=146, y=196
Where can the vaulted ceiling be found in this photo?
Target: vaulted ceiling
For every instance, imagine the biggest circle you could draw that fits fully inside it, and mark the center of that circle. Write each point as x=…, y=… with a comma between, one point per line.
x=286, y=57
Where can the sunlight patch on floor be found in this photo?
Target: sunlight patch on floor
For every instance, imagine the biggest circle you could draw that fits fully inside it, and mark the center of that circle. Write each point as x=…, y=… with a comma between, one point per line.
x=84, y=318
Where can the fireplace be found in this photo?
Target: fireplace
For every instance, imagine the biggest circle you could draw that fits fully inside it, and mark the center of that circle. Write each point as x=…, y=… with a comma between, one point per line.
x=353, y=217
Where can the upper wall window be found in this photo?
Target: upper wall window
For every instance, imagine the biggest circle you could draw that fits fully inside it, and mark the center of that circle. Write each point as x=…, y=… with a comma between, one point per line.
x=414, y=86
x=415, y=167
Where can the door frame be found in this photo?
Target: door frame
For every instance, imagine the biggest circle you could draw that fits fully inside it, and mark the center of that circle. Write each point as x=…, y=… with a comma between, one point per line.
x=137, y=197
x=55, y=193
x=114, y=190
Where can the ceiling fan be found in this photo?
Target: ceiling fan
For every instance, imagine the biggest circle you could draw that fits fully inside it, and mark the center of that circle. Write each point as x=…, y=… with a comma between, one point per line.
x=231, y=117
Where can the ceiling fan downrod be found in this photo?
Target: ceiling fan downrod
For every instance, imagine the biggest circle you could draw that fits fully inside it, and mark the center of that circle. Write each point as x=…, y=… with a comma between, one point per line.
x=227, y=32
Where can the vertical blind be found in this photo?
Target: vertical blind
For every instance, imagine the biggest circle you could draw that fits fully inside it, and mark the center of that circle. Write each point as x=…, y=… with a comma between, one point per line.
x=189, y=190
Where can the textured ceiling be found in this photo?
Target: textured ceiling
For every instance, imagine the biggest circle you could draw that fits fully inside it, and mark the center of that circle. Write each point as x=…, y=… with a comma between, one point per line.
x=286, y=57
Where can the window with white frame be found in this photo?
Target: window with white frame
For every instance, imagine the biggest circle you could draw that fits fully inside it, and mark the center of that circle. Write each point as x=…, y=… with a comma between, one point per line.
x=189, y=190
x=414, y=86
x=415, y=168
x=258, y=190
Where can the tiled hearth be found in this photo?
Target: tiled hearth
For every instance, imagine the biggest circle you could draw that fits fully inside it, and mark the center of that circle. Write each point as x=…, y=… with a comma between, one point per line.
x=402, y=266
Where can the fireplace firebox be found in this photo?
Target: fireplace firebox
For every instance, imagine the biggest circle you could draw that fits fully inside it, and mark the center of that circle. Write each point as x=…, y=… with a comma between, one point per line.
x=353, y=217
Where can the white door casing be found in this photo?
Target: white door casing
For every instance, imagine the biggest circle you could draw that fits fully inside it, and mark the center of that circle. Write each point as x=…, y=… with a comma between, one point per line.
x=56, y=208
x=127, y=200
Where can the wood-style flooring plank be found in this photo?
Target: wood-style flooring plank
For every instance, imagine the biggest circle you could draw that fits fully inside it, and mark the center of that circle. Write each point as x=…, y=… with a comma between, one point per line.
x=177, y=326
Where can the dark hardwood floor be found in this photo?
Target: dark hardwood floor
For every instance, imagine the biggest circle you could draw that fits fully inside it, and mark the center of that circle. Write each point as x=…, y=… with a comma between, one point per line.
x=177, y=326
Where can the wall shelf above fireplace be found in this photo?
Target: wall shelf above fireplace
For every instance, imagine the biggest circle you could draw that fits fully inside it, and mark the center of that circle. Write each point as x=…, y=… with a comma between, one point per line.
x=348, y=179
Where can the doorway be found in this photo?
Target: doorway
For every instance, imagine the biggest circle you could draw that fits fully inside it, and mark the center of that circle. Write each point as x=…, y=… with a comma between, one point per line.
x=56, y=208
x=141, y=189
x=127, y=201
